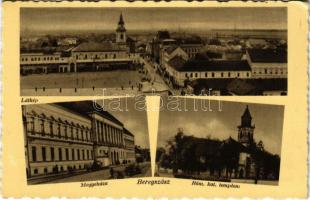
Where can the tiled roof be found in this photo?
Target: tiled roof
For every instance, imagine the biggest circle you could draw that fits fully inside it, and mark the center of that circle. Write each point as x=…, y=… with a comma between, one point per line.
x=180, y=64
x=268, y=55
x=86, y=107
x=96, y=47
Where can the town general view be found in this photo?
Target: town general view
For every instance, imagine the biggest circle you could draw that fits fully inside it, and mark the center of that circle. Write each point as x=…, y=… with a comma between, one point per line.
x=173, y=51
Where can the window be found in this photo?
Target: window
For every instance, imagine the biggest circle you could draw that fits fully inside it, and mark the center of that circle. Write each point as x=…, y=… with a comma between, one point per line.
x=228, y=74
x=196, y=75
x=52, y=154
x=66, y=132
x=45, y=171
x=238, y=74
x=83, y=155
x=72, y=152
x=206, y=74
x=34, y=154
x=76, y=57
x=58, y=130
x=212, y=74
x=60, y=154
x=85, y=57
x=266, y=71
x=247, y=74
x=31, y=124
x=78, y=154
x=42, y=126
x=35, y=171
x=67, y=154
x=51, y=129
x=122, y=36
x=222, y=74
x=43, y=154
x=191, y=75
x=71, y=130
x=82, y=134
x=114, y=55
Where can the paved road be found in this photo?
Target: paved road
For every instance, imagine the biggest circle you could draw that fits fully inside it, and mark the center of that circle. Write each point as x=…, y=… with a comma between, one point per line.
x=99, y=175
x=155, y=77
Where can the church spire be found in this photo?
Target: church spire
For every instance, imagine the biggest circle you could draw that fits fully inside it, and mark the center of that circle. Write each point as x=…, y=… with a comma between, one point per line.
x=246, y=118
x=246, y=130
x=121, y=20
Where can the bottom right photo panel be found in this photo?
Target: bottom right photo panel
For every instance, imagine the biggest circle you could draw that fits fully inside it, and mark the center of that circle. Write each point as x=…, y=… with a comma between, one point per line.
x=225, y=141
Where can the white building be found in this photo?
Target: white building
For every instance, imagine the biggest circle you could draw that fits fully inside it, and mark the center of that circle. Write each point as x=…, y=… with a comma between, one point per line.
x=267, y=63
x=180, y=69
x=61, y=137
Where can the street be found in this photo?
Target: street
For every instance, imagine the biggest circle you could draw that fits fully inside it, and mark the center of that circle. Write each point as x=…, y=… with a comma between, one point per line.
x=103, y=174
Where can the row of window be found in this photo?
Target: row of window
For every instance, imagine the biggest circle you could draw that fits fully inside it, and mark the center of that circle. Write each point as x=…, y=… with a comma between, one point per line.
x=39, y=58
x=85, y=57
x=270, y=71
x=222, y=74
x=57, y=129
x=59, y=154
x=109, y=134
x=60, y=168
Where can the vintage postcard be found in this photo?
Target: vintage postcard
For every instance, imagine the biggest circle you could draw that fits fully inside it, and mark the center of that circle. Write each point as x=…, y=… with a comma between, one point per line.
x=155, y=99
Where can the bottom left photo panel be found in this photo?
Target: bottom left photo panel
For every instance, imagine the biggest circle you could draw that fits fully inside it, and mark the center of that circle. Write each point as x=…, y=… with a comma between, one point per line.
x=86, y=141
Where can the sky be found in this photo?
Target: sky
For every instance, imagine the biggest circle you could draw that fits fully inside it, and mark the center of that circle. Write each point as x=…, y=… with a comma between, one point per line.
x=77, y=19
x=133, y=119
x=268, y=121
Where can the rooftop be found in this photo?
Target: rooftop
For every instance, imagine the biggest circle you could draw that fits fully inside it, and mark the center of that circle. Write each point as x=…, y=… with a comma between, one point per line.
x=194, y=64
x=86, y=107
x=268, y=55
x=96, y=47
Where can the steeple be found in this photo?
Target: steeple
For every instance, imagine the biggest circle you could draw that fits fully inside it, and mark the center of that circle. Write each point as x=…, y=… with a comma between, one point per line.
x=246, y=119
x=246, y=130
x=121, y=31
x=121, y=20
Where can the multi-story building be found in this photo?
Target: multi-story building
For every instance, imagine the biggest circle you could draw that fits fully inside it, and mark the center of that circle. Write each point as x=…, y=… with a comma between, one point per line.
x=180, y=69
x=268, y=63
x=129, y=140
x=60, y=137
x=87, y=56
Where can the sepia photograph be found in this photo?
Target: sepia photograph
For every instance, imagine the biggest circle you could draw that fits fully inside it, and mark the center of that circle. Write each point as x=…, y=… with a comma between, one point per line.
x=222, y=141
x=146, y=50
x=85, y=141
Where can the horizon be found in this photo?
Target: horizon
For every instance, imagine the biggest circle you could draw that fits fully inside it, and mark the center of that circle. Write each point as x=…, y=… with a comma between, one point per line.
x=140, y=19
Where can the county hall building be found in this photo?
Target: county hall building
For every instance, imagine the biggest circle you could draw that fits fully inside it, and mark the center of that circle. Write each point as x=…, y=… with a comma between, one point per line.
x=64, y=137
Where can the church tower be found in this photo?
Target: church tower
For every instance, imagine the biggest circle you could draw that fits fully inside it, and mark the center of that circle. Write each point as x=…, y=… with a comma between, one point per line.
x=121, y=31
x=246, y=130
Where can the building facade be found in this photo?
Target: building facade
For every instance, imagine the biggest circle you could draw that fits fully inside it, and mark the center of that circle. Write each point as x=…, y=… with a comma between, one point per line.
x=64, y=137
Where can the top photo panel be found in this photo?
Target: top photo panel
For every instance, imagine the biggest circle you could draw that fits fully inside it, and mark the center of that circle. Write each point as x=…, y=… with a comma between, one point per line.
x=179, y=51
